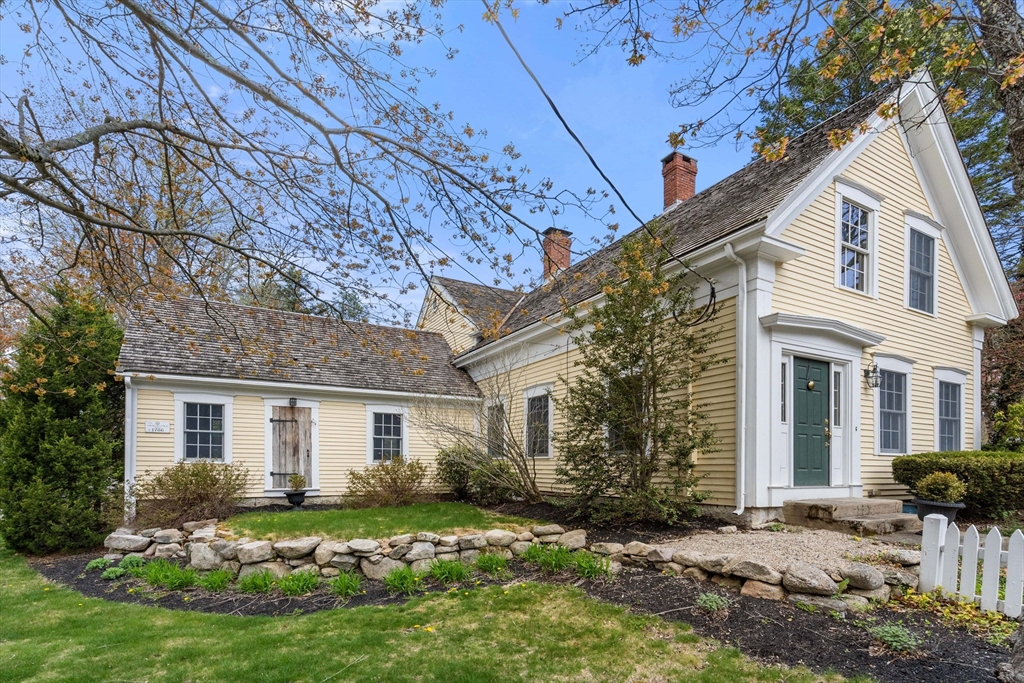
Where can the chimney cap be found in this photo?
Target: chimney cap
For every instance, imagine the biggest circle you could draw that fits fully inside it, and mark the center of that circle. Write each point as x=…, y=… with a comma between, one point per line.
x=556, y=231
x=671, y=155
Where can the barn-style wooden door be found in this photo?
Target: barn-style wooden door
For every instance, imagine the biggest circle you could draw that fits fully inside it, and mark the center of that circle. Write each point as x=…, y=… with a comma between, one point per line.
x=292, y=445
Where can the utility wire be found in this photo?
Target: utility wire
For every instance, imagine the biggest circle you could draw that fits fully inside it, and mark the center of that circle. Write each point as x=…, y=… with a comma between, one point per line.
x=709, y=310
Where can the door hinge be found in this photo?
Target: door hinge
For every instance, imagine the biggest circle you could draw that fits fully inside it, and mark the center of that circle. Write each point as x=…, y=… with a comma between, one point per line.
x=273, y=419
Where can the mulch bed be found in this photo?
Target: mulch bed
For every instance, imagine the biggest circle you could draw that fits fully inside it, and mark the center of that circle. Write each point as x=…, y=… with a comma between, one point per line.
x=770, y=632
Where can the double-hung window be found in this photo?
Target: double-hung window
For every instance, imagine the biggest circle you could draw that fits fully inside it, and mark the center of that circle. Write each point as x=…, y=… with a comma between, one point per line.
x=855, y=251
x=625, y=402
x=949, y=416
x=388, y=442
x=204, y=431
x=921, y=272
x=538, y=423
x=496, y=430
x=892, y=412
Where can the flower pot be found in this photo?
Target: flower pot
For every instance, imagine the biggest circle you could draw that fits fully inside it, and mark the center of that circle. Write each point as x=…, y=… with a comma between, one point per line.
x=934, y=507
x=296, y=498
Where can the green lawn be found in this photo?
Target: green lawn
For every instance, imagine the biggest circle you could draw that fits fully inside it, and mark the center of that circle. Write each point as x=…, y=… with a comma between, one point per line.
x=525, y=632
x=344, y=525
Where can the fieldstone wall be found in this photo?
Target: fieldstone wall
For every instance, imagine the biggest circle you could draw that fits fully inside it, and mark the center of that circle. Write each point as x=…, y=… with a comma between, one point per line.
x=205, y=547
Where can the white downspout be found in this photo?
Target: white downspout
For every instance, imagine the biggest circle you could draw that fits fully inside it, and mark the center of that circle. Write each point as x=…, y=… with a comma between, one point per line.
x=741, y=379
x=130, y=437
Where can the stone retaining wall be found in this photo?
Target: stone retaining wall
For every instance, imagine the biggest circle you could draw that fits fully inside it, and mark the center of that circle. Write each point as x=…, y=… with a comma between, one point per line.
x=205, y=547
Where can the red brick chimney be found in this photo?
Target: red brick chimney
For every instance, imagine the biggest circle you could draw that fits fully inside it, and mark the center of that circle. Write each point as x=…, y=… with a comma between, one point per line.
x=557, y=251
x=680, y=175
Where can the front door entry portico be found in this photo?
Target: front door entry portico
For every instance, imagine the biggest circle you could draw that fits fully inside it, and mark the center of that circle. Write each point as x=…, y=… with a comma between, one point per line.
x=811, y=433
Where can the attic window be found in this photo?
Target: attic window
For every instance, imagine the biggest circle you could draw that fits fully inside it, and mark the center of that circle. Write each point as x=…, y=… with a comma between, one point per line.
x=856, y=265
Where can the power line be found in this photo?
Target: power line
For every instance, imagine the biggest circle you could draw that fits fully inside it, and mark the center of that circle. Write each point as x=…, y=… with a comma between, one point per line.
x=709, y=310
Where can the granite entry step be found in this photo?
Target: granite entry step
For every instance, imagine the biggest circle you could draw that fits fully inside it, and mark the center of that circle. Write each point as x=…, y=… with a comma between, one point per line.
x=860, y=516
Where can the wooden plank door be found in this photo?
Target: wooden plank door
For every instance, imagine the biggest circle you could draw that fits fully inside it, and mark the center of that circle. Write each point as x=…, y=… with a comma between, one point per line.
x=811, y=433
x=292, y=442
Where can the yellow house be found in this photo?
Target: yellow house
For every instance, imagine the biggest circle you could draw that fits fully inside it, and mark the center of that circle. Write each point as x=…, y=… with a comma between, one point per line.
x=852, y=288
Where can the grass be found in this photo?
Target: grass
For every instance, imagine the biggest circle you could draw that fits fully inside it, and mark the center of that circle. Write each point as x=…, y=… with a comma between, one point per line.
x=215, y=581
x=591, y=566
x=163, y=573
x=492, y=564
x=346, y=584
x=440, y=518
x=403, y=580
x=261, y=581
x=536, y=632
x=551, y=558
x=449, y=572
x=299, y=583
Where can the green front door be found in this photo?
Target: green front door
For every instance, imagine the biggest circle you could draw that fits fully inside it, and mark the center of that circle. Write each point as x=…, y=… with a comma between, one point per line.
x=810, y=420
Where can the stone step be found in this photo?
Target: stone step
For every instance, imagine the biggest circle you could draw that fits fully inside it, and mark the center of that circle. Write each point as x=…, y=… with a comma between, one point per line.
x=830, y=509
x=870, y=525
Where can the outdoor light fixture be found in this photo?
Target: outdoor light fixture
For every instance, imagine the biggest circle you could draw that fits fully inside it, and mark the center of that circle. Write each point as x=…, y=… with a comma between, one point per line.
x=873, y=376
x=292, y=402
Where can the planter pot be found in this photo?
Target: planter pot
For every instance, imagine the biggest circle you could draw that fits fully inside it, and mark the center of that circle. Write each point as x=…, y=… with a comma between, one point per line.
x=296, y=498
x=933, y=507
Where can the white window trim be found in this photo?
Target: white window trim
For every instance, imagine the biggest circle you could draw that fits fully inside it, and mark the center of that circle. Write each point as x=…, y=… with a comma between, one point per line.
x=903, y=365
x=532, y=392
x=313, y=487
x=386, y=408
x=952, y=376
x=914, y=223
x=180, y=399
x=872, y=202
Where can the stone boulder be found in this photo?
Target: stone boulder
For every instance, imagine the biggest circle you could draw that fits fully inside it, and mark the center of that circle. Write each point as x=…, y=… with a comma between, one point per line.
x=227, y=549
x=669, y=568
x=191, y=527
x=231, y=566
x=637, y=548
x=897, y=577
x=400, y=551
x=420, y=550
x=752, y=569
x=472, y=542
x=297, y=547
x=381, y=569
x=879, y=595
x=449, y=541
x=660, y=555
x=730, y=582
x=606, y=548
x=345, y=562
x=165, y=549
x=424, y=565
x=714, y=564
x=427, y=537
x=324, y=552
x=687, y=558
x=856, y=603
x=830, y=604
x=469, y=556
x=127, y=543
x=203, y=557
x=309, y=568
x=902, y=556
x=696, y=573
x=207, y=533
x=525, y=536
x=547, y=530
x=403, y=539
x=573, y=540
x=149, y=533
x=363, y=547
x=801, y=577
x=278, y=569
x=862, y=576
x=255, y=551
x=763, y=591
x=500, y=537
x=519, y=548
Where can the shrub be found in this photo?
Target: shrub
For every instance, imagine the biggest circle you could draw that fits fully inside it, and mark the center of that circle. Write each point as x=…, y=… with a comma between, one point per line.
x=131, y=562
x=261, y=581
x=189, y=491
x=162, y=573
x=61, y=428
x=492, y=564
x=590, y=566
x=482, y=487
x=448, y=572
x=296, y=482
x=215, y=581
x=98, y=564
x=712, y=602
x=941, y=487
x=994, y=479
x=453, y=470
x=896, y=637
x=403, y=580
x=346, y=584
x=113, y=573
x=299, y=583
x=389, y=484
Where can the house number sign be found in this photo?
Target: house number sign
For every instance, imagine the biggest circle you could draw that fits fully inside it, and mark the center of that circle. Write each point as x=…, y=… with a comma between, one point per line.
x=158, y=427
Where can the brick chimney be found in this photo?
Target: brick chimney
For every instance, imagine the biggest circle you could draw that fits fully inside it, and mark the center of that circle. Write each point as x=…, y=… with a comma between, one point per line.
x=680, y=175
x=557, y=251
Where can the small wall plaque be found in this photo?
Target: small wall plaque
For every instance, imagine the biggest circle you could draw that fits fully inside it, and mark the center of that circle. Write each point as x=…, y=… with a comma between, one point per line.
x=158, y=427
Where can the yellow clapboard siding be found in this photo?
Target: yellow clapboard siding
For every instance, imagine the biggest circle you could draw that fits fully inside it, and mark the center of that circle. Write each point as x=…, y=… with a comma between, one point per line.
x=806, y=286
x=441, y=316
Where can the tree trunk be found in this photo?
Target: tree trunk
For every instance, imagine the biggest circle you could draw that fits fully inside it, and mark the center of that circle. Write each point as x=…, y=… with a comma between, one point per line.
x=1002, y=32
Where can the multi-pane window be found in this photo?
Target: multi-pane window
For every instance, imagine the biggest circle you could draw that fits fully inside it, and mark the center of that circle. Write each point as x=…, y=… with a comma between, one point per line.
x=892, y=412
x=949, y=416
x=784, y=378
x=922, y=272
x=204, y=431
x=855, y=256
x=538, y=426
x=387, y=436
x=837, y=379
x=496, y=430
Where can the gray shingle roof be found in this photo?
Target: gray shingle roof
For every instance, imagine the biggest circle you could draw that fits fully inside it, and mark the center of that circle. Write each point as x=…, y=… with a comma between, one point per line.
x=740, y=200
x=485, y=306
x=193, y=337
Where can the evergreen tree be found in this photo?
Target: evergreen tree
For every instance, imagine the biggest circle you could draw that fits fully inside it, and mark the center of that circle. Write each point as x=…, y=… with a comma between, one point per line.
x=295, y=293
x=61, y=427
x=631, y=426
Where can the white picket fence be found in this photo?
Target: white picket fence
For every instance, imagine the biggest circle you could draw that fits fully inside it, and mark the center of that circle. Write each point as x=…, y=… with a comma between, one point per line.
x=941, y=548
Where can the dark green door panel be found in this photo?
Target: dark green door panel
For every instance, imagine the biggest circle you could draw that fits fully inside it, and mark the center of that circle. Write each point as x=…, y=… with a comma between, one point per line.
x=810, y=422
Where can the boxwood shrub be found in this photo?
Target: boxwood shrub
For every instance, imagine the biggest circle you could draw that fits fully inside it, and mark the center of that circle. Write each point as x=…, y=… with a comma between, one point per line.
x=994, y=479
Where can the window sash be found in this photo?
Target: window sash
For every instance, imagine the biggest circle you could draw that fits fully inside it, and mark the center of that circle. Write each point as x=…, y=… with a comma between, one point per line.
x=922, y=272
x=785, y=380
x=496, y=430
x=204, y=431
x=949, y=416
x=538, y=427
x=892, y=412
x=837, y=379
x=855, y=255
x=388, y=441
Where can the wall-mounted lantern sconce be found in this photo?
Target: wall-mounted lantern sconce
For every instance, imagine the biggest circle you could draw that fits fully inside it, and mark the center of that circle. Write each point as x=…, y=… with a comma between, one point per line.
x=292, y=402
x=873, y=376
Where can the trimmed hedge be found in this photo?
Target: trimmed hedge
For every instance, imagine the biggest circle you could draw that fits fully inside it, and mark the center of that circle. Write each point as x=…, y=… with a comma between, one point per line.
x=994, y=479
